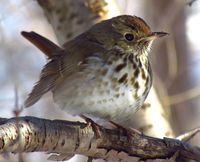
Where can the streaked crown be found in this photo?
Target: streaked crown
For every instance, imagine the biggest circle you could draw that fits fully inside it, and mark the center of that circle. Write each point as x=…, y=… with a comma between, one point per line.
x=130, y=33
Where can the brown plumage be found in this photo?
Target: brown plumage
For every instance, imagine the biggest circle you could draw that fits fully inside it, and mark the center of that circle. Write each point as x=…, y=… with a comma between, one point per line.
x=111, y=57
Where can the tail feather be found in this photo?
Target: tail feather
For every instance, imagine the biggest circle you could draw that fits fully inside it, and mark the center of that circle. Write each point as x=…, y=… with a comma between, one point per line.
x=45, y=45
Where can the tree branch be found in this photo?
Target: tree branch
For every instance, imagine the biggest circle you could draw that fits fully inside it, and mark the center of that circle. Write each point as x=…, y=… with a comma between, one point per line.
x=65, y=138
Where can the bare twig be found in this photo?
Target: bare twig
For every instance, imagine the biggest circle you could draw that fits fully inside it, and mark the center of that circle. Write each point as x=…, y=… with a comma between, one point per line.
x=172, y=60
x=183, y=96
x=17, y=112
x=188, y=135
x=191, y=2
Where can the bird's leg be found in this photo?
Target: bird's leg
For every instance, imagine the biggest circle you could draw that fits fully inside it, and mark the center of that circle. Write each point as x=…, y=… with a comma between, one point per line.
x=95, y=127
x=127, y=131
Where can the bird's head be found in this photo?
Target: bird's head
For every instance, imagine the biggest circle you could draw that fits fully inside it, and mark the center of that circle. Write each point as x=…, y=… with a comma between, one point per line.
x=130, y=33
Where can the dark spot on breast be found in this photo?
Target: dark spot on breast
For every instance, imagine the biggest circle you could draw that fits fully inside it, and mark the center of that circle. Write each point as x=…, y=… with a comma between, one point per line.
x=143, y=74
x=123, y=79
x=135, y=95
x=58, y=27
x=54, y=148
x=72, y=16
x=125, y=59
x=80, y=21
x=109, y=62
x=147, y=81
x=136, y=72
x=120, y=67
x=104, y=72
x=140, y=64
x=58, y=11
x=134, y=65
x=136, y=59
x=63, y=142
x=136, y=85
x=61, y=18
x=133, y=80
x=117, y=95
x=130, y=58
x=69, y=35
x=119, y=53
x=114, y=80
x=43, y=141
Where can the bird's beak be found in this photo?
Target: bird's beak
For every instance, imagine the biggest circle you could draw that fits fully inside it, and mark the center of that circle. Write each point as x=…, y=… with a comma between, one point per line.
x=159, y=34
x=152, y=36
x=155, y=35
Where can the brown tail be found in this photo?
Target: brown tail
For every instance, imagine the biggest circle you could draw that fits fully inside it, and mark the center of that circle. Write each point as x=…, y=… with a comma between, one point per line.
x=45, y=45
x=51, y=72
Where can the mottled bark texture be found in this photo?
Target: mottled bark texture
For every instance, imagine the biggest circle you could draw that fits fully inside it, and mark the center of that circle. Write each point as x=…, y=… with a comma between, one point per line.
x=63, y=139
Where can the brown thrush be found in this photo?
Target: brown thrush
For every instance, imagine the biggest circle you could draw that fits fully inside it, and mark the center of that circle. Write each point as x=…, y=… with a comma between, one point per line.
x=103, y=73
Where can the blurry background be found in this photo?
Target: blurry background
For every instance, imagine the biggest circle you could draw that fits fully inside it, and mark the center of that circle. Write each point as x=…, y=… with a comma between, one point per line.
x=176, y=59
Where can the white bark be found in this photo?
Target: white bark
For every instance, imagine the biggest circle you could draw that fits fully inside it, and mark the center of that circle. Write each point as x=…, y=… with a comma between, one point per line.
x=63, y=139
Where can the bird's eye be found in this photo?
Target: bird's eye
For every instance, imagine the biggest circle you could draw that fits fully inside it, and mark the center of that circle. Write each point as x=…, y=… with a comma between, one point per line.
x=129, y=36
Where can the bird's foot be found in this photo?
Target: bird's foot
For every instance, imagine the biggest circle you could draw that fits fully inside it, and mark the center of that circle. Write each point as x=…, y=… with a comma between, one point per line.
x=126, y=131
x=95, y=127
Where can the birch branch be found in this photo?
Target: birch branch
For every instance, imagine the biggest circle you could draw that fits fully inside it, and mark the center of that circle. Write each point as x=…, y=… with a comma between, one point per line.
x=63, y=139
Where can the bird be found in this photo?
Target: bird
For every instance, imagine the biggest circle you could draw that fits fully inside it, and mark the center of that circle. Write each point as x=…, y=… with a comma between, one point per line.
x=103, y=73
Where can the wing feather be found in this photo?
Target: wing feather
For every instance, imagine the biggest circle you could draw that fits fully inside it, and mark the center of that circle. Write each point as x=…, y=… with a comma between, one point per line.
x=63, y=62
x=49, y=77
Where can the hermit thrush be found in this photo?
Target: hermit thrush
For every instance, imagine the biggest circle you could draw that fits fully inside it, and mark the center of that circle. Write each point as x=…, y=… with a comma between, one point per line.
x=103, y=73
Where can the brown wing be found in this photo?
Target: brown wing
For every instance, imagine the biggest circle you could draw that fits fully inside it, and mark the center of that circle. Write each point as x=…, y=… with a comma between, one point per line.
x=48, y=80
x=62, y=62
x=50, y=73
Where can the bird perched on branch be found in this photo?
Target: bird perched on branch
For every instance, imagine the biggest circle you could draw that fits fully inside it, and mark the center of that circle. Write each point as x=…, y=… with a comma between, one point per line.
x=104, y=73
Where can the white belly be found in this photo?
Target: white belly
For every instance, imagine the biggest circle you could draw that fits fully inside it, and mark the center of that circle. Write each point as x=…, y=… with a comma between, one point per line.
x=101, y=97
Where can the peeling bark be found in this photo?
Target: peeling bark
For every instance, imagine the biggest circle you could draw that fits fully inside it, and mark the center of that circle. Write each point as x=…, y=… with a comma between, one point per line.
x=65, y=138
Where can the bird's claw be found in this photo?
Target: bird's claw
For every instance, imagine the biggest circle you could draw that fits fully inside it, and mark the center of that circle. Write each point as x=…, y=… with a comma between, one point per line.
x=126, y=131
x=95, y=127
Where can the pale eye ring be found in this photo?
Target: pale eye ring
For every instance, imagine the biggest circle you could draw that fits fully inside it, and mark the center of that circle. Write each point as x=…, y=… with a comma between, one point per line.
x=129, y=36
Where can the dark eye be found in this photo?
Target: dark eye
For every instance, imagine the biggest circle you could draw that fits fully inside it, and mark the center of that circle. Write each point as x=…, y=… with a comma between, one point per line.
x=129, y=36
